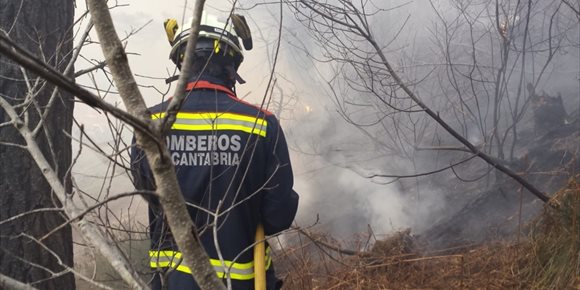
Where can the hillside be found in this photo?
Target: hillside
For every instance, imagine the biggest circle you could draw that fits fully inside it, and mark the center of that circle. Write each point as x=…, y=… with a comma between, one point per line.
x=544, y=256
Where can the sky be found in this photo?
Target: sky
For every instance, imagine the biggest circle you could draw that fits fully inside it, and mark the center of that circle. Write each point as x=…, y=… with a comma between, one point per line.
x=323, y=146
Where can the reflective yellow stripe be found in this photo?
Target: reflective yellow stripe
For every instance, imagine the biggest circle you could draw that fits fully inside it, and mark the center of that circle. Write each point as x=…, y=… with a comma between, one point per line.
x=237, y=271
x=217, y=121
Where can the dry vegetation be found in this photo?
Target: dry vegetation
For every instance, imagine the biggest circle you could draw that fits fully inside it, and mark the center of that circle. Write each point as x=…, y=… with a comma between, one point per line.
x=546, y=257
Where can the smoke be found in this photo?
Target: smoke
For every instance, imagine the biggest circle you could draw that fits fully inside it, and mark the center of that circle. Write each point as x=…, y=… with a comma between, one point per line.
x=333, y=159
x=337, y=157
x=327, y=154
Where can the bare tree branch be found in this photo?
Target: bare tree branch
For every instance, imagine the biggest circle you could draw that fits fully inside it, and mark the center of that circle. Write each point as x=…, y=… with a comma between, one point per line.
x=452, y=131
x=91, y=232
x=11, y=284
x=186, y=69
x=95, y=206
x=337, y=18
x=575, y=9
x=99, y=65
x=168, y=189
x=325, y=244
x=22, y=57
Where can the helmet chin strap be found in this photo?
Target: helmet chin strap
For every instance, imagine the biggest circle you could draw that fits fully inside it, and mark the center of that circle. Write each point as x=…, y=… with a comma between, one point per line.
x=239, y=79
x=236, y=76
x=171, y=79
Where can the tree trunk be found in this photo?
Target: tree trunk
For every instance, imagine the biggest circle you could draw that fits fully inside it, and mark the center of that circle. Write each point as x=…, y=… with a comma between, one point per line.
x=43, y=27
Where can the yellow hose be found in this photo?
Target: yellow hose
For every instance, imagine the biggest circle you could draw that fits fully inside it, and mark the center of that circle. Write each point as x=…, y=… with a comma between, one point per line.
x=260, y=260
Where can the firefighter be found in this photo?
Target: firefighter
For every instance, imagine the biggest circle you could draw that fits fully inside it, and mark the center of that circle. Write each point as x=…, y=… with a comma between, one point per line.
x=230, y=158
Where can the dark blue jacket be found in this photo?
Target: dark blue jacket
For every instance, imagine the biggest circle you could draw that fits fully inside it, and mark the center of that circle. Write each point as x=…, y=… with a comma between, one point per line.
x=230, y=157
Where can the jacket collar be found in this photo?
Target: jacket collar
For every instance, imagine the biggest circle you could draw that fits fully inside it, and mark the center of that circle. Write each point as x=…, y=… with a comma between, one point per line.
x=204, y=84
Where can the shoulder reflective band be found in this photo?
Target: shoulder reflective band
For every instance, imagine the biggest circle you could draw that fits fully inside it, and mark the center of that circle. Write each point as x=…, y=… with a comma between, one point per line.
x=237, y=271
x=216, y=122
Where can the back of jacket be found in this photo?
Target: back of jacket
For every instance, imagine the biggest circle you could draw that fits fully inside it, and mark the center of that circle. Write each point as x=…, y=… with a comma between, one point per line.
x=232, y=163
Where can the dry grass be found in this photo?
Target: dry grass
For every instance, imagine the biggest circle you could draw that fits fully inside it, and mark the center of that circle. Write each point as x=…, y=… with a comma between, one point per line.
x=555, y=242
x=546, y=259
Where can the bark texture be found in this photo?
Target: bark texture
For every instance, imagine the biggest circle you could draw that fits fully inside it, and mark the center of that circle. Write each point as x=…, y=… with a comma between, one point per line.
x=43, y=27
x=182, y=227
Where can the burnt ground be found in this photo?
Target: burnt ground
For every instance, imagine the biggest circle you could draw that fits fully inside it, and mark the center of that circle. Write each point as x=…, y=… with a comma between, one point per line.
x=547, y=161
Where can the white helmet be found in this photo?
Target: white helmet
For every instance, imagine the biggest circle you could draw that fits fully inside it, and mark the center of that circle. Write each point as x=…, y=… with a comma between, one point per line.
x=215, y=37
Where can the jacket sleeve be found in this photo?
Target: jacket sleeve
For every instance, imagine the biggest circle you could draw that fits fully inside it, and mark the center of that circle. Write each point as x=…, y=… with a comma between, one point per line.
x=279, y=201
